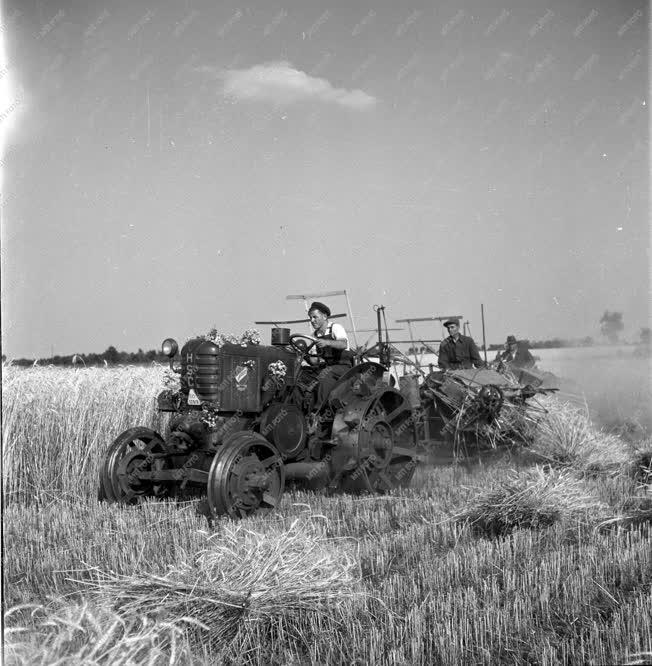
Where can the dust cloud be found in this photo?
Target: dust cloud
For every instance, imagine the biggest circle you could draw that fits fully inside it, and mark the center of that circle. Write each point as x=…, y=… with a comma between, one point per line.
x=613, y=383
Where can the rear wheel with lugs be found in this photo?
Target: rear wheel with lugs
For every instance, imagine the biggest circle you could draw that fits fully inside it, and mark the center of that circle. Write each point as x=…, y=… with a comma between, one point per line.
x=387, y=455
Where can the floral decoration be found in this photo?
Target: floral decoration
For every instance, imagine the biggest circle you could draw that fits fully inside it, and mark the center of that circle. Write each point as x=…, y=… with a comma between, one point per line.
x=278, y=370
x=210, y=417
x=250, y=337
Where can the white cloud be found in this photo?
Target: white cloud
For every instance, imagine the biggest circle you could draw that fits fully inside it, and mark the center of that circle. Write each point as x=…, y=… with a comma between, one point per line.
x=281, y=83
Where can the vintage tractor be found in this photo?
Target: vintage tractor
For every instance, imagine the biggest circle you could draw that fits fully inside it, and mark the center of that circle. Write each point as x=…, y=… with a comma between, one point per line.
x=245, y=422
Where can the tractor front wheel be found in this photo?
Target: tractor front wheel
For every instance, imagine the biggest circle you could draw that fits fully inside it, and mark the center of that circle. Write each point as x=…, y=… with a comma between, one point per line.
x=246, y=476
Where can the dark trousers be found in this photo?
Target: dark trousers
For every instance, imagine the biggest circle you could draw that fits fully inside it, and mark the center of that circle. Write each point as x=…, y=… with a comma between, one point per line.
x=323, y=379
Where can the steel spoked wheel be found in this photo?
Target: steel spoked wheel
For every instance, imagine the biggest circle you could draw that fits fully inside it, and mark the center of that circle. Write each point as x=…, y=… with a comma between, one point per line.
x=491, y=399
x=386, y=445
x=376, y=440
x=246, y=476
x=123, y=475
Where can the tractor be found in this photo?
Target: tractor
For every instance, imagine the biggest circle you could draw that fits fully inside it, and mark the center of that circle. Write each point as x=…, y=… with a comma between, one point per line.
x=243, y=424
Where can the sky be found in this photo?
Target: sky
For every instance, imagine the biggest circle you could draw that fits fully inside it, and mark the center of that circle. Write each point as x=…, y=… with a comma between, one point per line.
x=175, y=165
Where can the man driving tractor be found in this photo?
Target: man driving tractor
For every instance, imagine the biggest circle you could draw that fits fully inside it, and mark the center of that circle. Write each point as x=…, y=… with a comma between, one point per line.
x=330, y=358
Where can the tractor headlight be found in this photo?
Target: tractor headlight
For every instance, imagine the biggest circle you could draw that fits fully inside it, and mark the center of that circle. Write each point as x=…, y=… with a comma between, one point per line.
x=170, y=347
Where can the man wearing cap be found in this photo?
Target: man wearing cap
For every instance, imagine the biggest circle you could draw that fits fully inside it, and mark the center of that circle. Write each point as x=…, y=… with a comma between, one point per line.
x=507, y=356
x=458, y=351
x=516, y=353
x=332, y=357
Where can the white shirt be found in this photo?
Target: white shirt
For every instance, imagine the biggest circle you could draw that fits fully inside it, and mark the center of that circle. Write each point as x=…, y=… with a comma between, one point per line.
x=336, y=330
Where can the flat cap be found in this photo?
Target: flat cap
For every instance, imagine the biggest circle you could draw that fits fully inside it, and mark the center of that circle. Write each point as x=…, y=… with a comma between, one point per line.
x=316, y=305
x=450, y=322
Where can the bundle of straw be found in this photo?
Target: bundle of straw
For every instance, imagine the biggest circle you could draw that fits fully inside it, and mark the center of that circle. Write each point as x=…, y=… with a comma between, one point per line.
x=642, y=465
x=516, y=423
x=639, y=507
x=566, y=437
x=531, y=500
x=90, y=635
x=240, y=576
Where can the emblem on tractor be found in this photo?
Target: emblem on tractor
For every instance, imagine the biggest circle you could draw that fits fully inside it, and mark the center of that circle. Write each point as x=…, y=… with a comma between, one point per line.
x=241, y=377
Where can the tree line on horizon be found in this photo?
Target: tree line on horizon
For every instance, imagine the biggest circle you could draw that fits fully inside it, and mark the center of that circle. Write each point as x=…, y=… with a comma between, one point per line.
x=109, y=357
x=611, y=324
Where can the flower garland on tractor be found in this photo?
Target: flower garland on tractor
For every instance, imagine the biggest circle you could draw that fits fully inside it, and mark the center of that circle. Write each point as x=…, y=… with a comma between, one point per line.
x=250, y=337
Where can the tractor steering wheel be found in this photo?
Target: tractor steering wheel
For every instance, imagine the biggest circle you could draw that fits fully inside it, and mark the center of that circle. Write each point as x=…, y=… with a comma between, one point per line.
x=299, y=344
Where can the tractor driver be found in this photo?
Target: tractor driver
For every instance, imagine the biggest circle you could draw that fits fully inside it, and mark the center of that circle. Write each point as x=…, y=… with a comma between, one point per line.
x=330, y=358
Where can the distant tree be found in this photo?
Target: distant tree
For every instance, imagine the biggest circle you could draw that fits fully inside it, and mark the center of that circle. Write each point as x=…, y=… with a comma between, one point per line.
x=611, y=324
x=123, y=357
x=548, y=344
x=646, y=335
x=111, y=355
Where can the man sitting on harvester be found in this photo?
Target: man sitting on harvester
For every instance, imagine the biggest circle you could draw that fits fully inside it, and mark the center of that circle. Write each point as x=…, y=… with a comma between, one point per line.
x=516, y=354
x=331, y=358
x=458, y=351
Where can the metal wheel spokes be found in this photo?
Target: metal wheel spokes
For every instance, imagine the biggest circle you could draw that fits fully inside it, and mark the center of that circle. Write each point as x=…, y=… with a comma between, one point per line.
x=376, y=444
x=133, y=452
x=246, y=476
x=387, y=449
x=491, y=400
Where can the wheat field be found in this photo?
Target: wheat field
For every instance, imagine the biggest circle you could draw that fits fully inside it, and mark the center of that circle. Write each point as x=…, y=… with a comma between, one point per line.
x=544, y=558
